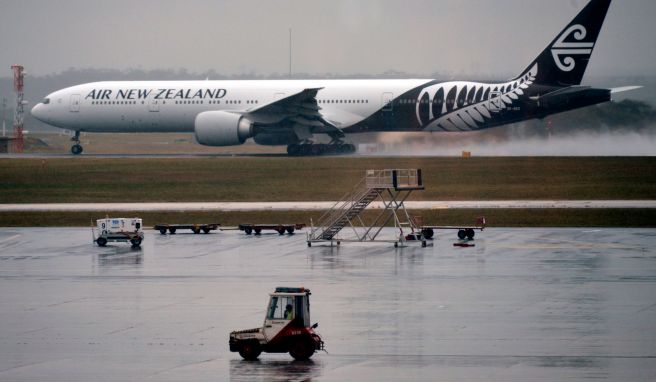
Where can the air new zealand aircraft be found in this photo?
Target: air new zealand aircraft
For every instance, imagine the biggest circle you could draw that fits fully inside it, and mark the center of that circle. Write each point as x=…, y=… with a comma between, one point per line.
x=225, y=113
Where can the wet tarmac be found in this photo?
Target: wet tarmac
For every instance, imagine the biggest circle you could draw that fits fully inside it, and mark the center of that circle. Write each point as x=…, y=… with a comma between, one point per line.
x=521, y=305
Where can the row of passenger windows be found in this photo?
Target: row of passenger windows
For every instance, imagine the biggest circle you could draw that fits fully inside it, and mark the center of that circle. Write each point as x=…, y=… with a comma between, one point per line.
x=115, y=102
x=191, y=102
x=343, y=101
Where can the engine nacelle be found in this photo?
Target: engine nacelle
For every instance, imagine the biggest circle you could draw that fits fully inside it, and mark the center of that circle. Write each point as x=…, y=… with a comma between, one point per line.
x=220, y=128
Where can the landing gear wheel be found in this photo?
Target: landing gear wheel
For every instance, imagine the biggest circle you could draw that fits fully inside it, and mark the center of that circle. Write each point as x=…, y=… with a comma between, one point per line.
x=250, y=350
x=162, y=231
x=76, y=149
x=101, y=242
x=470, y=233
x=136, y=242
x=461, y=234
x=428, y=233
x=302, y=349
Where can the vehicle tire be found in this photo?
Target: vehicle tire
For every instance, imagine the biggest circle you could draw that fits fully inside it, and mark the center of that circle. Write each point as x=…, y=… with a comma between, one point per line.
x=172, y=231
x=290, y=230
x=258, y=231
x=162, y=231
x=206, y=230
x=136, y=242
x=250, y=350
x=248, y=230
x=302, y=349
x=281, y=230
x=195, y=230
x=304, y=150
x=470, y=233
x=461, y=234
x=101, y=242
x=76, y=149
x=428, y=233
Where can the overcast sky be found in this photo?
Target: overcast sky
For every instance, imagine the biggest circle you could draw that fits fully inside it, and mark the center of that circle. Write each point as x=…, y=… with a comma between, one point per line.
x=485, y=37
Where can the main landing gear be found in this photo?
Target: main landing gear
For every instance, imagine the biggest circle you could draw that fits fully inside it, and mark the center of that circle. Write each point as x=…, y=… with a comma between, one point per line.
x=311, y=149
x=76, y=149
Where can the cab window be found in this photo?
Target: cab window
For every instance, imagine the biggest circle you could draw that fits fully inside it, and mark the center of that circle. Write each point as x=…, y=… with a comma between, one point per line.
x=278, y=308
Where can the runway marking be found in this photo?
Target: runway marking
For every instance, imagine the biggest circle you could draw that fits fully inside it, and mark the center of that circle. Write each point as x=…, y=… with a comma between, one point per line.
x=182, y=365
x=565, y=246
x=10, y=238
x=121, y=330
x=312, y=206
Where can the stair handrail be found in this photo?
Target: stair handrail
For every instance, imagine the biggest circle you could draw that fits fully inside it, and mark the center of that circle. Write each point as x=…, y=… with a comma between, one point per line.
x=340, y=208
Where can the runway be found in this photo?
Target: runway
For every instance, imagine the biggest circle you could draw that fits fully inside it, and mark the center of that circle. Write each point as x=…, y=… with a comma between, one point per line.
x=308, y=206
x=523, y=304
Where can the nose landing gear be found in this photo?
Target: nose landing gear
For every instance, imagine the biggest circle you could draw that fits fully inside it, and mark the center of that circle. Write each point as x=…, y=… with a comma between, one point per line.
x=76, y=149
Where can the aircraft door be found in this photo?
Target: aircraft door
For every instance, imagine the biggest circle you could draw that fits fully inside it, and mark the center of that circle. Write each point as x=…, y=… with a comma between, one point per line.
x=494, y=102
x=75, y=103
x=153, y=105
x=386, y=101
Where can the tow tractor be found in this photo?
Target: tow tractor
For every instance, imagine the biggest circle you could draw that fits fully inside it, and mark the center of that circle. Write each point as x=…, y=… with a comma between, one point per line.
x=118, y=229
x=286, y=328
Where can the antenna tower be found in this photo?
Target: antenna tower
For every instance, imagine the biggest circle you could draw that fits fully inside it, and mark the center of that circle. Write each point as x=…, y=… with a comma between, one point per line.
x=17, y=144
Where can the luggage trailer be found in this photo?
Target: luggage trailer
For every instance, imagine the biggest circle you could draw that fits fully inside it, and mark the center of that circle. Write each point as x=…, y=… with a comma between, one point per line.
x=280, y=228
x=195, y=228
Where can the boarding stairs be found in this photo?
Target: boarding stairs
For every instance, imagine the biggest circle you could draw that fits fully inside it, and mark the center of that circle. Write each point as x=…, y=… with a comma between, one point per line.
x=391, y=187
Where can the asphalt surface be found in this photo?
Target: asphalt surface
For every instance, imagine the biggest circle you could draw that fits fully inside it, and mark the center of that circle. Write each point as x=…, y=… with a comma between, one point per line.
x=306, y=206
x=521, y=305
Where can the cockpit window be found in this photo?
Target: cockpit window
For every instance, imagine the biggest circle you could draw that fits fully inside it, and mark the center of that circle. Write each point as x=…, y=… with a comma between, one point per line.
x=46, y=101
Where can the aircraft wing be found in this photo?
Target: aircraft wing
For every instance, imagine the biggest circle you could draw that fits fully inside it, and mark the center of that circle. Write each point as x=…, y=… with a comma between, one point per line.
x=299, y=111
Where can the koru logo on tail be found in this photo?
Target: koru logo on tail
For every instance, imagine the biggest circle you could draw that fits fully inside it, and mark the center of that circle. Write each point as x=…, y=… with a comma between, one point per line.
x=562, y=51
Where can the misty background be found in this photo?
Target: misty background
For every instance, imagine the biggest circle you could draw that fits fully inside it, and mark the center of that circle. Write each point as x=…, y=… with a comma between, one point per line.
x=63, y=43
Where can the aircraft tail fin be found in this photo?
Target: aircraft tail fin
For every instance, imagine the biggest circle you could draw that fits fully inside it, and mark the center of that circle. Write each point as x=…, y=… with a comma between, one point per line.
x=563, y=62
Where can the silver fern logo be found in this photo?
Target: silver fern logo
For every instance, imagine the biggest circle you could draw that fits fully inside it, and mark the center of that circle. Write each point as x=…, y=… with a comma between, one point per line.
x=466, y=106
x=563, y=52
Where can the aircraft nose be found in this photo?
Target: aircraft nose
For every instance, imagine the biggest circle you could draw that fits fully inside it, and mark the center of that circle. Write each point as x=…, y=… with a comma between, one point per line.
x=38, y=112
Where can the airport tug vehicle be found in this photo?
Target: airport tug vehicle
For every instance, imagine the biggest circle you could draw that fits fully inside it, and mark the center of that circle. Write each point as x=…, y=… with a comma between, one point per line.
x=286, y=328
x=118, y=229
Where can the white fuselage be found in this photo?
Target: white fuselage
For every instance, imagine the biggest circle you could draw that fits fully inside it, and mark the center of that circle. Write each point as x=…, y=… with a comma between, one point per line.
x=172, y=106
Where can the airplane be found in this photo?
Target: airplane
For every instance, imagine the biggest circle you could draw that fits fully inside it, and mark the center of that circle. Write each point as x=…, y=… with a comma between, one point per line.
x=291, y=112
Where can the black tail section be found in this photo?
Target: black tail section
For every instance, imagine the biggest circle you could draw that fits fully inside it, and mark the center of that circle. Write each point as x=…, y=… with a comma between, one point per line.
x=563, y=62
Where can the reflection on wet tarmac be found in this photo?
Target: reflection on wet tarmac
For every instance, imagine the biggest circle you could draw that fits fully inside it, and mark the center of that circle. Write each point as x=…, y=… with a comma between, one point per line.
x=274, y=370
x=522, y=304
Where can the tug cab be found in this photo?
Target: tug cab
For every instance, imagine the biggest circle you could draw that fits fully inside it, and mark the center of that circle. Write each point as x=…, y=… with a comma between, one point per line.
x=286, y=328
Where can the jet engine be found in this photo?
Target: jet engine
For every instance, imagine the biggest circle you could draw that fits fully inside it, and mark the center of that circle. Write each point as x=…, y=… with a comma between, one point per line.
x=220, y=128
